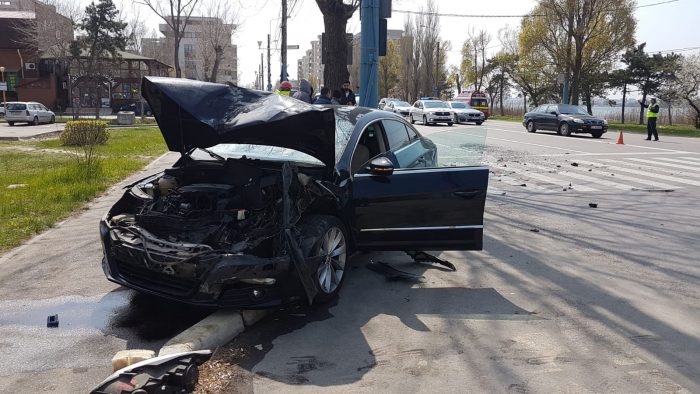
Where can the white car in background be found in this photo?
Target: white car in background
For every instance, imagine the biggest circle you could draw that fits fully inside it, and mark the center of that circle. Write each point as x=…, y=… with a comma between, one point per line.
x=28, y=112
x=431, y=112
x=2, y=109
x=398, y=107
x=464, y=113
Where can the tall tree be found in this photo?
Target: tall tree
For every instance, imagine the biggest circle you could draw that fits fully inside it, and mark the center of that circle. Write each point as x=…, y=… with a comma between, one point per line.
x=576, y=34
x=335, y=18
x=474, y=54
x=135, y=32
x=97, y=50
x=389, y=69
x=407, y=51
x=215, y=36
x=176, y=14
x=688, y=84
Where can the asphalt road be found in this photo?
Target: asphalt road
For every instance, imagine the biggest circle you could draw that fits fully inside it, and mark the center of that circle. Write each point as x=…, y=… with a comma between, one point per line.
x=23, y=130
x=597, y=300
x=563, y=298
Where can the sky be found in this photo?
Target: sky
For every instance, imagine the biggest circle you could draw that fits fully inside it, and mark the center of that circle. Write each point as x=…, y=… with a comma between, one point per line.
x=672, y=25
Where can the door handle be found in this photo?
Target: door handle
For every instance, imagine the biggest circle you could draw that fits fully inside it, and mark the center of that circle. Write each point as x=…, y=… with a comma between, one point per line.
x=467, y=194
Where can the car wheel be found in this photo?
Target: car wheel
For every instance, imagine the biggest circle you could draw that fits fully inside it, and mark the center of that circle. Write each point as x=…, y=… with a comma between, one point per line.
x=148, y=113
x=564, y=129
x=325, y=236
x=411, y=118
x=36, y=121
x=11, y=123
x=456, y=119
x=531, y=128
x=425, y=120
x=479, y=123
x=53, y=119
x=597, y=134
x=449, y=123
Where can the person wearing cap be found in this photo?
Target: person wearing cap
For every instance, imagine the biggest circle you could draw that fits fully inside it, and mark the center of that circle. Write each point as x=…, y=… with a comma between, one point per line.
x=284, y=89
x=652, y=114
x=347, y=97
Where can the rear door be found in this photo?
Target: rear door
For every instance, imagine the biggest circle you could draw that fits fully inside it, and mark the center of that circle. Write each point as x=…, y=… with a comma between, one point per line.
x=420, y=206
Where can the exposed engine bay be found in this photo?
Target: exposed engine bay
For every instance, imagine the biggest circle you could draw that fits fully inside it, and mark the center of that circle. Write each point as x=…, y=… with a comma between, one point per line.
x=200, y=210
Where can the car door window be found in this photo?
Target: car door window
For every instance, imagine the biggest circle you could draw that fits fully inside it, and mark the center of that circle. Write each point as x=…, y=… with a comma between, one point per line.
x=369, y=146
x=407, y=152
x=396, y=134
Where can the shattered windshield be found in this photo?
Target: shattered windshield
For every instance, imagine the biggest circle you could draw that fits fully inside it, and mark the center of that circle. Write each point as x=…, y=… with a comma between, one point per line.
x=261, y=152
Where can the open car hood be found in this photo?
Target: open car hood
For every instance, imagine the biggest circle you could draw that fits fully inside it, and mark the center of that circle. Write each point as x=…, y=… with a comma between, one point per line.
x=195, y=114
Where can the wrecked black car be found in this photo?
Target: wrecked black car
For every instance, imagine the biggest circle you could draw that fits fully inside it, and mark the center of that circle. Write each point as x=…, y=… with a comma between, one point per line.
x=271, y=195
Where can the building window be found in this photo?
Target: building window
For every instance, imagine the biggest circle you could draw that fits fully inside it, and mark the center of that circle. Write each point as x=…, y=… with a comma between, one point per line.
x=189, y=50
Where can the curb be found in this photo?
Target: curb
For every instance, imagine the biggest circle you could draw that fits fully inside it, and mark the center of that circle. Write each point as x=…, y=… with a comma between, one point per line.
x=47, y=134
x=213, y=331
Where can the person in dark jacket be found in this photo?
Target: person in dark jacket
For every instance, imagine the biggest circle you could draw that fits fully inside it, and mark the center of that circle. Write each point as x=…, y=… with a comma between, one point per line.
x=325, y=97
x=304, y=93
x=652, y=114
x=347, y=95
x=336, y=97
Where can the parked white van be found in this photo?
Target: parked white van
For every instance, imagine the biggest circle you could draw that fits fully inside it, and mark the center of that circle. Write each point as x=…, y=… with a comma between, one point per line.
x=28, y=112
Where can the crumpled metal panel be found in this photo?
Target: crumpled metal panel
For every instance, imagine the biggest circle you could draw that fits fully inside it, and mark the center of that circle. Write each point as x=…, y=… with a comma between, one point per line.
x=194, y=114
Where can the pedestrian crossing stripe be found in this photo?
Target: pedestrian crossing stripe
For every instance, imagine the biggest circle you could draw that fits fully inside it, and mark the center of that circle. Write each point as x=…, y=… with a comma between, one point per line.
x=692, y=159
x=647, y=174
x=587, y=178
x=679, y=161
x=553, y=181
x=655, y=168
x=659, y=163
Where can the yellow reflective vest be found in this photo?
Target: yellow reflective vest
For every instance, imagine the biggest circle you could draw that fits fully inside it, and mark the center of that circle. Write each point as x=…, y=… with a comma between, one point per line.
x=283, y=92
x=653, y=111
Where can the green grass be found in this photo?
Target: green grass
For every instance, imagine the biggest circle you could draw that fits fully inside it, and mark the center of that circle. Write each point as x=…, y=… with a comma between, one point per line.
x=55, y=185
x=682, y=130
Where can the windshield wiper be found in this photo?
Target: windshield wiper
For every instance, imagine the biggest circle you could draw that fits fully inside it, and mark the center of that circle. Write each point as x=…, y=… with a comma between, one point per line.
x=210, y=153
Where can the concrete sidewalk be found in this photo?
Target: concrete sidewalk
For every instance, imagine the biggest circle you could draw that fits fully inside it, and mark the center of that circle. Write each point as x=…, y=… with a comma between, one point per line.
x=23, y=131
x=59, y=271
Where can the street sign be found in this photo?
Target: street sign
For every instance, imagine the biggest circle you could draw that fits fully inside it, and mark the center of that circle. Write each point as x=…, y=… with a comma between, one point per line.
x=3, y=86
x=292, y=46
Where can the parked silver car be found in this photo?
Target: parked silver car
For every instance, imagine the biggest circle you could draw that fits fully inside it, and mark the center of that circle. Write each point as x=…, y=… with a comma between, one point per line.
x=431, y=112
x=28, y=112
x=2, y=109
x=464, y=113
x=398, y=107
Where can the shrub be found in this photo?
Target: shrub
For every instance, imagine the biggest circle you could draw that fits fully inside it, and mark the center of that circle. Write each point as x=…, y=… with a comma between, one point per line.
x=85, y=133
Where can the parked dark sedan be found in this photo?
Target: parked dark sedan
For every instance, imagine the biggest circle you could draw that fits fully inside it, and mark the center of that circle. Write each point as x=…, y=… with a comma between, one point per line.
x=564, y=119
x=271, y=195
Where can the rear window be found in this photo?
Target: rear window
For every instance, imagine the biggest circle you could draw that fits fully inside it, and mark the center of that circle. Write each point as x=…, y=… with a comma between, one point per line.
x=479, y=102
x=16, y=107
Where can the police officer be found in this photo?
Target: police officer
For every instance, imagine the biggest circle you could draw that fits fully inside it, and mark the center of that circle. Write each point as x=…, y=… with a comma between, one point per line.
x=285, y=88
x=652, y=114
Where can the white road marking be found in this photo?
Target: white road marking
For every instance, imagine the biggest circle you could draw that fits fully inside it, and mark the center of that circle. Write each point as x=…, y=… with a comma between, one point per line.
x=660, y=163
x=648, y=167
x=692, y=158
x=694, y=165
x=587, y=178
x=553, y=181
x=648, y=174
x=530, y=143
x=609, y=154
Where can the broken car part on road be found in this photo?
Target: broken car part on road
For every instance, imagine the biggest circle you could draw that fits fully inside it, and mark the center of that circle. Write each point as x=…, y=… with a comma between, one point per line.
x=271, y=195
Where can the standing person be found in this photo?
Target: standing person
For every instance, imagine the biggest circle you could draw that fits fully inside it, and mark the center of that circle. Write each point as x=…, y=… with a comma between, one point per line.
x=285, y=88
x=304, y=93
x=337, y=95
x=652, y=114
x=325, y=97
x=347, y=95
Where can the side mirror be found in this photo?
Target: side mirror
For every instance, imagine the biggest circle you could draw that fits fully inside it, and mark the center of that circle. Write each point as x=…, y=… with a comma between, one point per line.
x=554, y=113
x=381, y=166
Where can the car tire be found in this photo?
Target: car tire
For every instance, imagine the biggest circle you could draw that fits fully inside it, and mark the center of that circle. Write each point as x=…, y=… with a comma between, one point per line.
x=531, y=127
x=597, y=134
x=53, y=119
x=323, y=235
x=564, y=129
x=36, y=121
x=479, y=123
x=449, y=123
x=425, y=120
x=413, y=121
x=11, y=123
x=148, y=113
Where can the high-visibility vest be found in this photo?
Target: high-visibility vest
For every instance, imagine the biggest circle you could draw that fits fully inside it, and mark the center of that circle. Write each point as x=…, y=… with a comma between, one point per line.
x=653, y=114
x=282, y=92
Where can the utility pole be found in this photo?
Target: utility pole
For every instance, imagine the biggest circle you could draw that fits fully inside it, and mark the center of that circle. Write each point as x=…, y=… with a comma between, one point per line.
x=369, y=53
x=269, y=69
x=283, y=73
x=437, y=69
x=262, y=72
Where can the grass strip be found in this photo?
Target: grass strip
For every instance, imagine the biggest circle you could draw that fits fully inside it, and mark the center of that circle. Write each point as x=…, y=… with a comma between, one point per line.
x=40, y=188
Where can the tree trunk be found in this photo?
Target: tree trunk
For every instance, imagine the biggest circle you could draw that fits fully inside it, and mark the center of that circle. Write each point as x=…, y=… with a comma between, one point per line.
x=524, y=103
x=589, y=104
x=641, y=108
x=218, y=54
x=335, y=71
x=459, y=85
x=500, y=93
x=576, y=80
x=176, y=56
x=624, y=100
x=670, y=120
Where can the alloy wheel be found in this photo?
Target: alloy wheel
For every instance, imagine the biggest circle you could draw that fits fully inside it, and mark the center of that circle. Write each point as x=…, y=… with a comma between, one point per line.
x=332, y=268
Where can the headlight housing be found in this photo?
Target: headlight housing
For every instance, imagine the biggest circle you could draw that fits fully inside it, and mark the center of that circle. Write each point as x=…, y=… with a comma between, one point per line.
x=576, y=120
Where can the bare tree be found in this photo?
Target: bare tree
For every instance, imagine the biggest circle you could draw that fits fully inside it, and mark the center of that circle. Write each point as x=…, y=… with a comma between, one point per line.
x=406, y=49
x=335, y=18
x=136, y=30
x=428, y=24
x=176, y=14
x=214, y=39
x=474, y=49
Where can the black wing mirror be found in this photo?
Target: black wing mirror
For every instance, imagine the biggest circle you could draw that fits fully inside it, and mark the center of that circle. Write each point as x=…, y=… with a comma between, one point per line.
x=381, y=166
x=554, y=113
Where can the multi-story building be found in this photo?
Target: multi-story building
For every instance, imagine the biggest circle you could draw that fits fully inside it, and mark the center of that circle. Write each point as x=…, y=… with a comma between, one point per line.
x=196, y=54
x=310, y=67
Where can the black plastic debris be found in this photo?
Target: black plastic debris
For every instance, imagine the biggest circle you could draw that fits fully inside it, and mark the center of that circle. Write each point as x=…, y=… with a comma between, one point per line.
x=422, y=257
x=534, y=230
x=391, y=273
x=574, y=164
x=523, y=184
x=592, y=205
x=52, y=321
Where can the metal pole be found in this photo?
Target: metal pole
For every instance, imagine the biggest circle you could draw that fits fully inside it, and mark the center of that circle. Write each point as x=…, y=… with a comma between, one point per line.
x=369, y=46
x=437, y=67
x=4, y=98
x=269, y=68
x=283, y=72
x=262, y=72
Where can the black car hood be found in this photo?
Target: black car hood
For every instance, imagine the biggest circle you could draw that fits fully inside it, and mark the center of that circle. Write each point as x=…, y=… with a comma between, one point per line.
x=195, y=114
